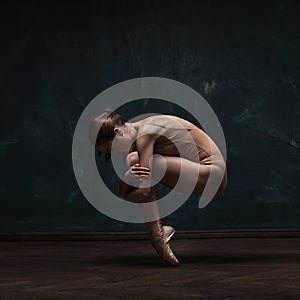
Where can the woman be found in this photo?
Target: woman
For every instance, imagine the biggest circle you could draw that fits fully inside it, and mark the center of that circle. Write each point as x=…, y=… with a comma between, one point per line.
x=179, y=142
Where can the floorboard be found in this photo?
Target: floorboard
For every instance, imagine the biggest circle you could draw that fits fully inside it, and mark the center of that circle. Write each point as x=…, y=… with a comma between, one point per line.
x=221, y=268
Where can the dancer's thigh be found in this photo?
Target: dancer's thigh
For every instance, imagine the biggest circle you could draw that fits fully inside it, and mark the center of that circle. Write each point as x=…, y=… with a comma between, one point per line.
x=193, y=176
x=168, y=169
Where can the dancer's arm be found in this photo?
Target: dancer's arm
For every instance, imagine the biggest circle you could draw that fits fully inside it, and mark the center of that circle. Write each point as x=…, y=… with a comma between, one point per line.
x=145, y=145
x=130, y=193
x=129, y=185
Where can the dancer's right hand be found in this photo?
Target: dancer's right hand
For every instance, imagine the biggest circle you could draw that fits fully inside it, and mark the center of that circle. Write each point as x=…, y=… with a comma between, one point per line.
x=136, y=174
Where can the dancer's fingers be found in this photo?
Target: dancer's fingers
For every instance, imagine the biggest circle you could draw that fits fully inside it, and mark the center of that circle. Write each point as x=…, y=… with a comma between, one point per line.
x=141, y=169
x=141, y=173
x=138, y=175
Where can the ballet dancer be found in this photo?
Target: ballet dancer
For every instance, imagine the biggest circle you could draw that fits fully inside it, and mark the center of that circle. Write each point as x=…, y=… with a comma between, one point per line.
x=158, y=134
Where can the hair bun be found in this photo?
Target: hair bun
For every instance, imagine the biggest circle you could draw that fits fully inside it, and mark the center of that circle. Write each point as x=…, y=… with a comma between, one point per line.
x=108, y=110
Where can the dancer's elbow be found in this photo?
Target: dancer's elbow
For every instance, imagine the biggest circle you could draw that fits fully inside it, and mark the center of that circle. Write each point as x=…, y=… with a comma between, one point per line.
x=145, y=191
x=138, y=195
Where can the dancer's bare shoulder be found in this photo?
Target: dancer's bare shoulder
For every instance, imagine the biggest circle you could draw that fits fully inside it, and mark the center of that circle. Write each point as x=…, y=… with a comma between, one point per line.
x=167, y=122
x=152, y=125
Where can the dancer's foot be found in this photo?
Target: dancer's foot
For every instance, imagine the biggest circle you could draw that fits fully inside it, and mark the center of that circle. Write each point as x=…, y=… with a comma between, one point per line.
x=159, y=243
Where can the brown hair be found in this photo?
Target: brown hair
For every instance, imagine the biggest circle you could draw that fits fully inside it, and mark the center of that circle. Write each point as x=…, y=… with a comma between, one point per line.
x=103, y=126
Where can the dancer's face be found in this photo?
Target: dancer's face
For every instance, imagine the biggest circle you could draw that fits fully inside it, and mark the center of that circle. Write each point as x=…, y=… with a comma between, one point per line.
x=120, y=144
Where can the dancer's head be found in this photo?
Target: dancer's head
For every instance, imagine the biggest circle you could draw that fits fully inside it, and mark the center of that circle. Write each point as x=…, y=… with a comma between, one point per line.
x=110, y=124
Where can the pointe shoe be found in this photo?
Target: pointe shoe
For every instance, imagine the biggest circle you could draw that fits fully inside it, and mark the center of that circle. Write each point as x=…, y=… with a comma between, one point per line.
x=159, y=243
x=168, y=233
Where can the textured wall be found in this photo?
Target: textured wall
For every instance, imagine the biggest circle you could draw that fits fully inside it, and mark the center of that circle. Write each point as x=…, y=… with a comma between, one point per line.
x=242, y=56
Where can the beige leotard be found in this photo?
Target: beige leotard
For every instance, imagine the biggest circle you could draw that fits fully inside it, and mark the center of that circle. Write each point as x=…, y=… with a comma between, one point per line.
x=185, y=135
x=180, y=135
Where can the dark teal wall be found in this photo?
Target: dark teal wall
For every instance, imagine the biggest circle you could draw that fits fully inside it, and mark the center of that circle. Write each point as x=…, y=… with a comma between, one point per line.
x=242, y=56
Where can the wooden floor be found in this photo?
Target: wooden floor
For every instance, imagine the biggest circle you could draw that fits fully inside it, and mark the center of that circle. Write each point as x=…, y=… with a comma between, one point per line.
x=221, y=268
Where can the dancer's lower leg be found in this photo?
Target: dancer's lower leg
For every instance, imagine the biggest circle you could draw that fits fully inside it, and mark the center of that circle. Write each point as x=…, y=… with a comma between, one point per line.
x=158, y=234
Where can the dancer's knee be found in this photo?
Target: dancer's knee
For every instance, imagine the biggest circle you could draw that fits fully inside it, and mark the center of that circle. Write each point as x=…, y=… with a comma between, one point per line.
x=214, y=177
x=132, y=158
